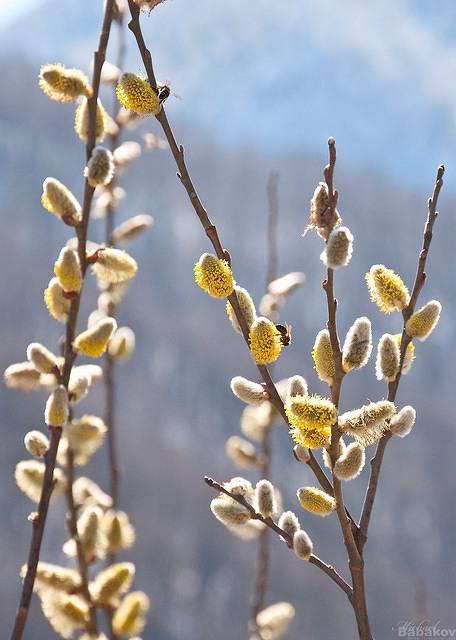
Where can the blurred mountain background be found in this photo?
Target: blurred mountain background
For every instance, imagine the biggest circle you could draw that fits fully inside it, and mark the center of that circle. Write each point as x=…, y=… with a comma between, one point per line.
x=263, y=86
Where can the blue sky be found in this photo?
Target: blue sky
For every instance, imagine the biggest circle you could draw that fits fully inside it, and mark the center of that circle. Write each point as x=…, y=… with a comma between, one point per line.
x=10, y=10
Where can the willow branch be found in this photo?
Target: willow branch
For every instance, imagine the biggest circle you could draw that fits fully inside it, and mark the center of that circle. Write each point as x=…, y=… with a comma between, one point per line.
x=69, y=356
x=420, y=279
x=208, y=226
x=269, y=522
x=72, y=523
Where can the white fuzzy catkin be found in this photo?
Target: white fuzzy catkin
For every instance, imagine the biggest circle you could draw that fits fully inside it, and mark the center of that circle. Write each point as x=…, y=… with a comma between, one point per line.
x=36, y=443
x=100, y=167
x=228, y=511
x=241, y=452
x=23, y=376
x=286, y=284
x=388, y=358
x=351, y=462
x=56, y=411
x=247, y=307
x=301, y=453
x=265, y=498
x=341, y=446
x=401, y=424
x=42, y=359
x=248, y=391
x=296, y=386
x=358, y=345
x=289, y=522
x=339, y=248
x=302, y=545
x=273, y=622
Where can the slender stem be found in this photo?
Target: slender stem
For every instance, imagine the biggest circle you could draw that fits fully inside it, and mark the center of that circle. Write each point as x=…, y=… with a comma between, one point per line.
x=355, y=560
x=269, y=522
x=72, y=523
x=420, y=279
x=50, y=459
x=209, y=227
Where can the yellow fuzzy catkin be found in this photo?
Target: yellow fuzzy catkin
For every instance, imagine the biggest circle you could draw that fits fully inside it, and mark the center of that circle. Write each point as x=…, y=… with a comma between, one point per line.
x=57, y=305
x=386, y=289
x=241, y=452
x=42, y=359
x=388, y=358
x=130, y=616
x=122, y=344
x=248, y=391
x=358, y=345
x=423, y=322
x=265, y=498
x=56, y=411
x=265, y=343
x=119, y=533
x=368, y=424
x=321, y=218
x=91, y=537
x=85, y=435
x=228, y=511
x=247, y=307
x=316, y=501
x=136, y=94
x=65, y=613
x=132, y=228
x=94, y=341
x=350, y=464
x=322, y=355
x=23, y=376
x=402, y=423
x=310, y=412
x=112, y=582
x=296, y=386
x=274, y=621
x=63, y=85
x=409, y=356
x=114, y=265
x=286, y=284
x=29, y=476
x=81, y=121
x=59, y=200
x=68, y=270
x=289, y=523
x=36, y=443
x=302, y=545
x=339, y=248
x=86, y=492
x=53, y=577
x=214, y=276
x=100, y=167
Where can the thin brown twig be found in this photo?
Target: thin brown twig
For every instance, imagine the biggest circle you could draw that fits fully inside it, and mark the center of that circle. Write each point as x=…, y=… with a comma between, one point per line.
x=50, y=459
x=72, y=523
x=420, y=279
x=269, y=522
x=210, y=229
x=355, y=560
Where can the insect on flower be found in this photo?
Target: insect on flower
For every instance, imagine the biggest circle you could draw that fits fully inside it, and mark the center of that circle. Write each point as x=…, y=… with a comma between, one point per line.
x=285, y=333
x=164, y=91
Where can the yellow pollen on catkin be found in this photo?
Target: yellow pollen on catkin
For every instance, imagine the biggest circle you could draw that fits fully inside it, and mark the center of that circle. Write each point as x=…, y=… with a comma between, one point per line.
x=316, y=501
x=129, y=618
x=81, y=121
x=265, y=342
x=118, y=531
x=94, y=341
x=247, y=307
x=36, y=443
x=136, y=94
x=322, y=355
x=214, y=276
x=423, y=322
x=386, y=289
x=310, y=412
x=57, y=305
x=85, y=436
x=59, y=200
x=65, y=613
x=63, y=85
x=68, y=270
x=114, y=266
x=112, y=582
x=311, y=438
